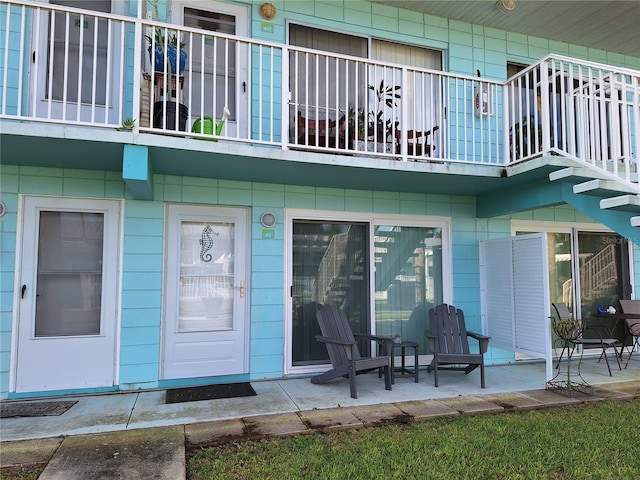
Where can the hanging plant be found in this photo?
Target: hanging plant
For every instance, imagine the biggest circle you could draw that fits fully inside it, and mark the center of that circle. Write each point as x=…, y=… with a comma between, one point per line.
x=567, y=329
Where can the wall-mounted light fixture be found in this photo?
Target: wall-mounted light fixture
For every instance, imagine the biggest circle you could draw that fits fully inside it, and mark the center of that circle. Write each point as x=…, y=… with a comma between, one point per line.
x=267, y=11
x=268, y=219
x=505, y=6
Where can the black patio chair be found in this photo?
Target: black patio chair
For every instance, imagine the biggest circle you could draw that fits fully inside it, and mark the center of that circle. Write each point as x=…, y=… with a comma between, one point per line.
x=601, y=341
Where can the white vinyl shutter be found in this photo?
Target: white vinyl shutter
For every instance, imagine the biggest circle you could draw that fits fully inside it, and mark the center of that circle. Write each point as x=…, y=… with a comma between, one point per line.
x=514, y=279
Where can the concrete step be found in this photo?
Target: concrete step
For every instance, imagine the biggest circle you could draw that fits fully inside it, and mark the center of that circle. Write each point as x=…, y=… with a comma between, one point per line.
x=573, y=174
x=626, y=203
x=603, y=188
x=157, y=453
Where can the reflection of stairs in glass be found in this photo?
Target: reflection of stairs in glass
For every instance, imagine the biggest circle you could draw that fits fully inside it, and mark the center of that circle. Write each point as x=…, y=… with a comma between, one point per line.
x=599, y=274
x=341, y=266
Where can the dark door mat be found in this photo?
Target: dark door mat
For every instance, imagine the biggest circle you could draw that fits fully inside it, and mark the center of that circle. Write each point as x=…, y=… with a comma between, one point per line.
x=34, y=409
x=210, y=392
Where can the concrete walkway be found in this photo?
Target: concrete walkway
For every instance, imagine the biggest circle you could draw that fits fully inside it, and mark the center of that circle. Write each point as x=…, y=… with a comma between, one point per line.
x=159, y=452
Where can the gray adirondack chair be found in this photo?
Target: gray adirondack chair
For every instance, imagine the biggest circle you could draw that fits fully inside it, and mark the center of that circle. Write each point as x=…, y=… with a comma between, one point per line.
x=449, y=342
x=343, y=350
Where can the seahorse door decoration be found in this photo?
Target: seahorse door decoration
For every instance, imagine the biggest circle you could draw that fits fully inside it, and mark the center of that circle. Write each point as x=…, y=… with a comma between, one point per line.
x=206, y=243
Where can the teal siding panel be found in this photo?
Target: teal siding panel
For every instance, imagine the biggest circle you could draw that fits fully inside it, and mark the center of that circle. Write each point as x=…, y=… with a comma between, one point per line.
x=141, y=298
x=142, y=245
x=140, y=336
x=267, y=347
x=266, y=263
x=267, y=296
x=139, y=373
x=267, y=279
x=143, y=263
x=272, y=329
x=139, y=354
x=141, y=317
x=143, y=226
x=41, y=185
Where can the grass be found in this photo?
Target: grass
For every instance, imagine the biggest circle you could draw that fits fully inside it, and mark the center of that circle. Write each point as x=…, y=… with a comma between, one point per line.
x=598, y=440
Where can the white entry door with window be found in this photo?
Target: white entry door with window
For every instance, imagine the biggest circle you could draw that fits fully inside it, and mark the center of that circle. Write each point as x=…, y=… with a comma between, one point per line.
x=205, y=313
x=67, y=294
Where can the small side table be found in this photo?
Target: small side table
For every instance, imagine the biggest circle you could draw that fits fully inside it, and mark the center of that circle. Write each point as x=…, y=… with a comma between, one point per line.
x=402, y=369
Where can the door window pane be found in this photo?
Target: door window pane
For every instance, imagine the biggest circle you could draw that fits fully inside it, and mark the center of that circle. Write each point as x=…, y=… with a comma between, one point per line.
x=601, y=258
x=206, y=276
x=330, y=267
x=213, y=72
x=408, y=280
x=89, y=53
x=69, y=283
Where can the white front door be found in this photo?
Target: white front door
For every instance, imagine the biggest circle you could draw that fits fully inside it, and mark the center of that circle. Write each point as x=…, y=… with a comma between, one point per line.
x=67, y=294
x=205, y=311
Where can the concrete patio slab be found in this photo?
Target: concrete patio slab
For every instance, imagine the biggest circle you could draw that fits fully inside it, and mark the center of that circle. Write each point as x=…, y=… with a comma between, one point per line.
x=375, y=414
x=631, y=388
x=471, y=405
x=425, y=410
x=551, y=399
x=330, y=419
x=209, y=433
x=512, y=401
x=281, y=424
x=29, y=452
x=148, y=453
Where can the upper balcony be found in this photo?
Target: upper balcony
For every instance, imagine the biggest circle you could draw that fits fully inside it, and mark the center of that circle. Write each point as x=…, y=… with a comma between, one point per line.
x=107, y=75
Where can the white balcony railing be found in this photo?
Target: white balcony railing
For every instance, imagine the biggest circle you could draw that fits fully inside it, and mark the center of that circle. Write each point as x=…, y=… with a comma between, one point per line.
x=71, y=66
x=586, y=111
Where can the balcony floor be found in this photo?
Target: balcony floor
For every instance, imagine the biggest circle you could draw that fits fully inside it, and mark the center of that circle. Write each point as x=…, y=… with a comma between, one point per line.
x=74, y=147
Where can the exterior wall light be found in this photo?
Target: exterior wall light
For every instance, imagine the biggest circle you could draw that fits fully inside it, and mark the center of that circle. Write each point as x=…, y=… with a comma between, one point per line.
x=505, y=6
x=267, y=11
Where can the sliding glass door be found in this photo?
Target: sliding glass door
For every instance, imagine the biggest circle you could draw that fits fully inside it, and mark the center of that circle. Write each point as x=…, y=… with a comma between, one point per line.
x=330, y=267
x=384, y=275
x=408, y=280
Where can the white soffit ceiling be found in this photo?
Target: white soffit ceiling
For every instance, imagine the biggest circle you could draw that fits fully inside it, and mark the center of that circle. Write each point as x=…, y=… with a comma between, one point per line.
x=607, y=25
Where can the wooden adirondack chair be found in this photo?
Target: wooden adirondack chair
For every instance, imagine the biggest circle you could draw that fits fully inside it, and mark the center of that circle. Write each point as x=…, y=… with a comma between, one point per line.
x=343, y=350
x=449, y=342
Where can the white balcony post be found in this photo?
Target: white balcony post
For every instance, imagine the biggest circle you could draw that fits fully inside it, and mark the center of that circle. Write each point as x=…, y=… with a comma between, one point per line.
x=506, y=151
x=137, y=69
x=545, y=119
x=284, y=119
x=404, y=141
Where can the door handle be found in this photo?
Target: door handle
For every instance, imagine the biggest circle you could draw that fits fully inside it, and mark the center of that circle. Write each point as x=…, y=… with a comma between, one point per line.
x=242, y=289
x=22, y=290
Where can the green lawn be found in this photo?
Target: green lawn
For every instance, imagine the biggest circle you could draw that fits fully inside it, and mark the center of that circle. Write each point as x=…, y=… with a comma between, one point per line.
x=599, y=440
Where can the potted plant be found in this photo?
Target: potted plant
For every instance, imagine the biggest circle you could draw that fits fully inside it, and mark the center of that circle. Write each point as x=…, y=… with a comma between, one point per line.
x=158, y=56
x=380, y=127
x=173, y=44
